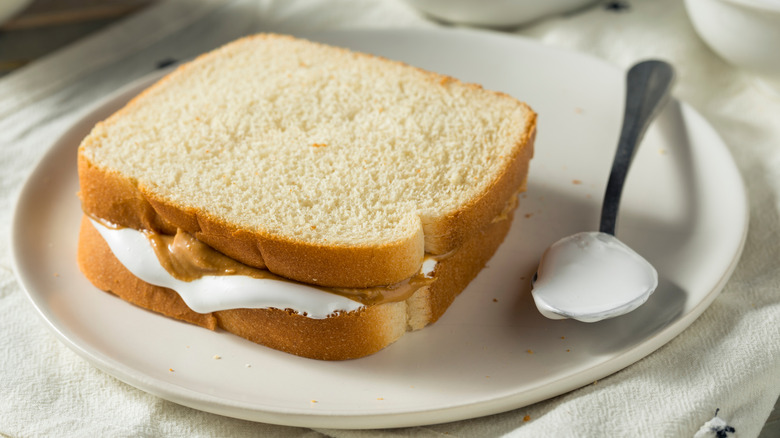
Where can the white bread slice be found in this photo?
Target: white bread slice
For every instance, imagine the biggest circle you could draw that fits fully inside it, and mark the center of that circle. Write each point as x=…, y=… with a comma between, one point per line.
x=326, y=166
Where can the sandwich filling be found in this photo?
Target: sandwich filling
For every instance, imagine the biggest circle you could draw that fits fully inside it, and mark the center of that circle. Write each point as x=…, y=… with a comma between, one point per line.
x=209, y=281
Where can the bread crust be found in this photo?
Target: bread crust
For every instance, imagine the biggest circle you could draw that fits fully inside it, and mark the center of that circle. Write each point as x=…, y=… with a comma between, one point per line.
x=109, y=196
x=344, y=336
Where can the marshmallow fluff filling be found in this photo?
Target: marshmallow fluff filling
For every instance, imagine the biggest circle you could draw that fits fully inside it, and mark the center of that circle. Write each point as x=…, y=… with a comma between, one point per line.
x=210, y=293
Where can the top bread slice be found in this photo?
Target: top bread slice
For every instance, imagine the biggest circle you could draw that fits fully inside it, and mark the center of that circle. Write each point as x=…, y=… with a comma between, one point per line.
x=323, y=165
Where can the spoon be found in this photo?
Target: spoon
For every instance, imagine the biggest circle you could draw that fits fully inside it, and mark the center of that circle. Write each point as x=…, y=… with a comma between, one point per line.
x=592, y=276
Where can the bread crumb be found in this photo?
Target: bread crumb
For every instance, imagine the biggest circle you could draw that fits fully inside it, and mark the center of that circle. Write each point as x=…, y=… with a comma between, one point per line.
x=568, y=350
x=527, y=418
x=170, y=369
x=314, y=401
x=563, y=337
x=380, y=398
x=576, y=182
x=248, y=365
x=217, y=357
x=495, y=300
x=578, y=110
x=56, y=274
x=528, y=215
x=662, y=151
x=529, y=351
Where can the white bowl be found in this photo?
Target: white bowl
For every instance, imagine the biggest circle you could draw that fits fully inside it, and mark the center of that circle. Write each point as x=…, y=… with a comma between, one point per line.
x=746, y=33
x=495, y=13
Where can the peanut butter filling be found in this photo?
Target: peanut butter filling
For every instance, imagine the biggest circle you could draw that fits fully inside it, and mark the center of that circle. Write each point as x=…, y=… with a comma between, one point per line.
x=187, y=259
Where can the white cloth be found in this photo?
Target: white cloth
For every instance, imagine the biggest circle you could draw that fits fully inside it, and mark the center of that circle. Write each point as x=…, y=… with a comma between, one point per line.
x=728, y=359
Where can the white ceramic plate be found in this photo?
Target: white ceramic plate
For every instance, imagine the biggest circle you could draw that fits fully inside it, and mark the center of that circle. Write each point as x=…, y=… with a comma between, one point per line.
x=684, y=210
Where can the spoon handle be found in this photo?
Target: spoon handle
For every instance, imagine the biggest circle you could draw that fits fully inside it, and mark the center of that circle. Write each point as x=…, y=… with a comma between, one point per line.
x=647, y=87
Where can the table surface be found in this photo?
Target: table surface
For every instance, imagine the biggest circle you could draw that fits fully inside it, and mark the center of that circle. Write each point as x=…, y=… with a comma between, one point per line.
x=47, y=25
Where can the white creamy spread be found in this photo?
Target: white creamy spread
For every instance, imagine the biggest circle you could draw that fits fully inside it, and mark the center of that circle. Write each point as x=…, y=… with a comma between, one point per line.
x=590, y=276
x=429, y=263
x=211, y=293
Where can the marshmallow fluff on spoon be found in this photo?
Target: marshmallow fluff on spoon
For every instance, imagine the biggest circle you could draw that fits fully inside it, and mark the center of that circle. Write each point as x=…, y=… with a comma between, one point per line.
x=592, y=276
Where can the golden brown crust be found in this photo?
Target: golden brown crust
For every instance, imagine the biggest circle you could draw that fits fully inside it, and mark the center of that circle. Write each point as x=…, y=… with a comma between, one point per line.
x=110, y=197
x=107, y=196
x=345, y=336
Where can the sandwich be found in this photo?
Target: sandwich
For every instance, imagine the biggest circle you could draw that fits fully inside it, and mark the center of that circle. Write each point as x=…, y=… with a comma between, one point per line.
x=311, y=199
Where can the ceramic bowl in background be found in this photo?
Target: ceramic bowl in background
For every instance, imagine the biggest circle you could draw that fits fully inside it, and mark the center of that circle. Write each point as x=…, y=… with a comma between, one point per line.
x=495, y=13
x=746, y=33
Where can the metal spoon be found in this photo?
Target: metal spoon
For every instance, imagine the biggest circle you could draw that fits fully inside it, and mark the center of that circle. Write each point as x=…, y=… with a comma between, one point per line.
x=592, y=276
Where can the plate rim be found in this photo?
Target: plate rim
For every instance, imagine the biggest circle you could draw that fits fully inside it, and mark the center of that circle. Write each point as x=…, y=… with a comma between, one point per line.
x=365, y=420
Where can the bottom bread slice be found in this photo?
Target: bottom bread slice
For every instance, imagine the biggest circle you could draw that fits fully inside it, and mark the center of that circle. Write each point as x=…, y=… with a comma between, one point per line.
x=343, y=336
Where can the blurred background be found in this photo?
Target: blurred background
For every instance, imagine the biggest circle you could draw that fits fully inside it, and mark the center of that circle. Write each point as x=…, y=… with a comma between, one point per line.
x=38, y=27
